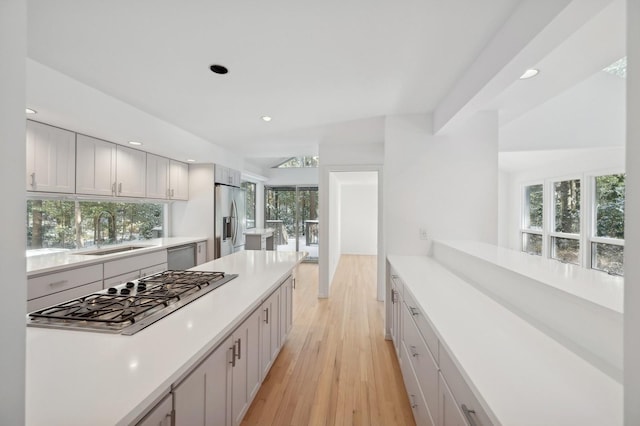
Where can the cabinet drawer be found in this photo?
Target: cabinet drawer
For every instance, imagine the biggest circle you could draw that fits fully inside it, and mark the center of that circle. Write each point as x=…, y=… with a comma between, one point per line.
x=61, y=281
x=397, y=281
x=460, y=390
x=416, y=398
x=423, y=363
x=133, y=263
x=423, y=324
x=153, y=270
x=63, y=296
x=121, y=279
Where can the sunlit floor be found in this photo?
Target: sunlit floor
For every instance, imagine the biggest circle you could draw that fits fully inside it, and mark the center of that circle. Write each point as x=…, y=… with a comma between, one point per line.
x=312, y=249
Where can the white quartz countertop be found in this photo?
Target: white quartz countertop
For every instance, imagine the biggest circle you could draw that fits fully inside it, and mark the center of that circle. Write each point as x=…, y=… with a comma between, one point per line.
x=519, y=374
x=596, y=286
x=259, y=231
x=81, y=377
x=61, y=260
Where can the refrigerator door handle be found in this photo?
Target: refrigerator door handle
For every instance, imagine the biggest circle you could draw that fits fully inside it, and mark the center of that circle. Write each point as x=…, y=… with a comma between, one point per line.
x=234, y=219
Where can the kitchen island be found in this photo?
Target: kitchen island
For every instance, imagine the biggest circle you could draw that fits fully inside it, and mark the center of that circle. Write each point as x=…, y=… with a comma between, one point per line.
x=80, y=377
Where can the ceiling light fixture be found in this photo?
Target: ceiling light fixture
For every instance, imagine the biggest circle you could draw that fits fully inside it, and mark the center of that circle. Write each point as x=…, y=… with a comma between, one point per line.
x=219, y=69
x=31, y=111
x=529, y=74
x=190, y=160
x=266, y=118
x=135, y=143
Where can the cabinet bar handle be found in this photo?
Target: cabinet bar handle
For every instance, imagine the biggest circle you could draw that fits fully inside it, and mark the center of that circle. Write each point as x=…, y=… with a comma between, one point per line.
x=266, y=319
x=414, y=311
x=57, y=283
x=294, y=283
x=33, y=179
x=120, y=188
x=469, y=415
x=239, y=348
x=413, y=351
x=413, y=401
x=393, y=296
x=233, y=355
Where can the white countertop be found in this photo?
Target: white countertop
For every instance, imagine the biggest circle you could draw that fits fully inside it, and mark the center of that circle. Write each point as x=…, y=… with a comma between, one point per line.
x=519, y=374
x=596, y=286
x=61, y=260
x=80, y=377
x=259, y=231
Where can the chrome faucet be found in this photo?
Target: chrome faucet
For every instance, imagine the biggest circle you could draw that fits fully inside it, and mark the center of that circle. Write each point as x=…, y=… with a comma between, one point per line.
x=99, y=241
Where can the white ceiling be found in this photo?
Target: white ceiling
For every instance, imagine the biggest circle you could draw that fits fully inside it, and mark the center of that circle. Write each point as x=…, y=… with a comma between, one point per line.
x=327, y=72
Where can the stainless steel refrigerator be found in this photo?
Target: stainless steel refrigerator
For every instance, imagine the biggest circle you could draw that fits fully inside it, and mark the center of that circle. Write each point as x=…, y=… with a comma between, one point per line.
x=230, y=220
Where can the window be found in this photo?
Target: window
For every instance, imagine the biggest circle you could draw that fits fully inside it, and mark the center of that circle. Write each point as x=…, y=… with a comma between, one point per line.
x=607, y=243
x=62, y=224
x=565, y=238
x=532, y=223
x=308, y=161
x=250, y=204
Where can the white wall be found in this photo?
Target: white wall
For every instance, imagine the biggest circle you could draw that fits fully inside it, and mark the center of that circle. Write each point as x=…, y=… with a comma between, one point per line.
x=359, y=218
x=13, y=50
x=447, y=184
x=292, y=176
x=632, y=222
x=334, y=211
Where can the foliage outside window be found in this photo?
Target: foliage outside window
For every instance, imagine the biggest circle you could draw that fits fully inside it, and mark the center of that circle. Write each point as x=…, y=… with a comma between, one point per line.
x=60, y=224
x=532, y=226
x=607, y=247
x=293, y=162
x=292, y=206
x=250, y=203
x=565, y=241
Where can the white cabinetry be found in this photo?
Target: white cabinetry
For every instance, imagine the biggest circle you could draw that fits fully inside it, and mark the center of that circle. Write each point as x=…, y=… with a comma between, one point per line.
x=219, y=391
x=227, y=176
x=201, y=252
x=157, y=177
x=270, y=331
x=131, y=172
x=167, y=179
x=396, y=312
x=134, y=267
x=160, y=415
x=449, y=413
x=178, y=180
x=51, y=155
x=50, y=289
x=96, y=166
x=286, y=308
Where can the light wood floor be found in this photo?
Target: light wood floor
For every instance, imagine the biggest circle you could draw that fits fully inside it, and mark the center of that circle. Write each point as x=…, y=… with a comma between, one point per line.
x=335, y=368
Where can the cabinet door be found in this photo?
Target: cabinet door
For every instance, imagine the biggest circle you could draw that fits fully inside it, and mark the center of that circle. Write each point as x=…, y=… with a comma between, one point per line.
x=51, y=158
x=130, y=172
x=286, y=309
x=270, y=330
x=449, y=414
x=246, y=372
x=201, y=252
x=396, y=318
x=179, y=180
x=96, y=166
x=157, y=177
x=160, y=415
x=204, y=398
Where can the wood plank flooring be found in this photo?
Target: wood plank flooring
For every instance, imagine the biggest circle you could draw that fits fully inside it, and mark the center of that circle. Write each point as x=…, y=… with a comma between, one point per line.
x=335, y=368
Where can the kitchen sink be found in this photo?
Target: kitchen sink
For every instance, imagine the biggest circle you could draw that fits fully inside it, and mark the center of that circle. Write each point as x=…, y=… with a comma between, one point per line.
x=110, y=250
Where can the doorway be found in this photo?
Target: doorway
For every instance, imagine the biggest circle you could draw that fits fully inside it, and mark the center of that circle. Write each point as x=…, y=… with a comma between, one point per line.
x=292, y=211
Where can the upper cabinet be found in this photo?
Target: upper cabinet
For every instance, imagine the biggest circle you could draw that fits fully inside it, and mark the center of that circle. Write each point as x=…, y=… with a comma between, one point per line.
x=178, y=180
x=167, y=179
x=96, y=166
x=227, y=176
x=58, y=160
x=131, y=172
x=50, y=158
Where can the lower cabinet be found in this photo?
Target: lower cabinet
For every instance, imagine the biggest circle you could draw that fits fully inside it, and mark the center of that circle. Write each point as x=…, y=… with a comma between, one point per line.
x=286, y=309
x=396, y=314
x=219, y=391
x=160, y=415
x=448, y=410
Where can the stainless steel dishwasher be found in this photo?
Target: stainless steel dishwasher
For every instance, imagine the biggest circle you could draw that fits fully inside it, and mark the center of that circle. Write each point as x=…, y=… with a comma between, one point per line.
x=181, y=257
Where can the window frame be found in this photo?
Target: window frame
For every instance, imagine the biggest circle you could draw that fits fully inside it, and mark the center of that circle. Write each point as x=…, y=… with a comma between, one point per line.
x=551, y=211
x=524, y=204
x=255, y=205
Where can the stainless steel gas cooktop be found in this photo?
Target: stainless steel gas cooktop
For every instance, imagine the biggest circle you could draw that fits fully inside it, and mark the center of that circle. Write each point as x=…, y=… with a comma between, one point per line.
x=130, y=307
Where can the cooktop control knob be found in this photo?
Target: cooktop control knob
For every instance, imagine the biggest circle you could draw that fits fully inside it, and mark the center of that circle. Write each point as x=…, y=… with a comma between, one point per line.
x=125, y=291
x=112, y=290
x=142, y=286
x=130, y=284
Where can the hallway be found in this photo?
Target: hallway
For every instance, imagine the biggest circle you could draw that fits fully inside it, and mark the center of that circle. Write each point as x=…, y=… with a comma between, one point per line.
x=335, y=368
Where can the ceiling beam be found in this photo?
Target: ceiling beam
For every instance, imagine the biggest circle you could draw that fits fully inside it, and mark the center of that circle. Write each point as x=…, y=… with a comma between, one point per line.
x=534, y=29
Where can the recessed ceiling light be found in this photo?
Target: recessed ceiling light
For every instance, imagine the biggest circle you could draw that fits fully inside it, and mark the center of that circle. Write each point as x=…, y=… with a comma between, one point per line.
x=31, y=111
x=529, y=73
x=219, y=69
x=190, y=160
x=266, y=118
x=135, y=143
